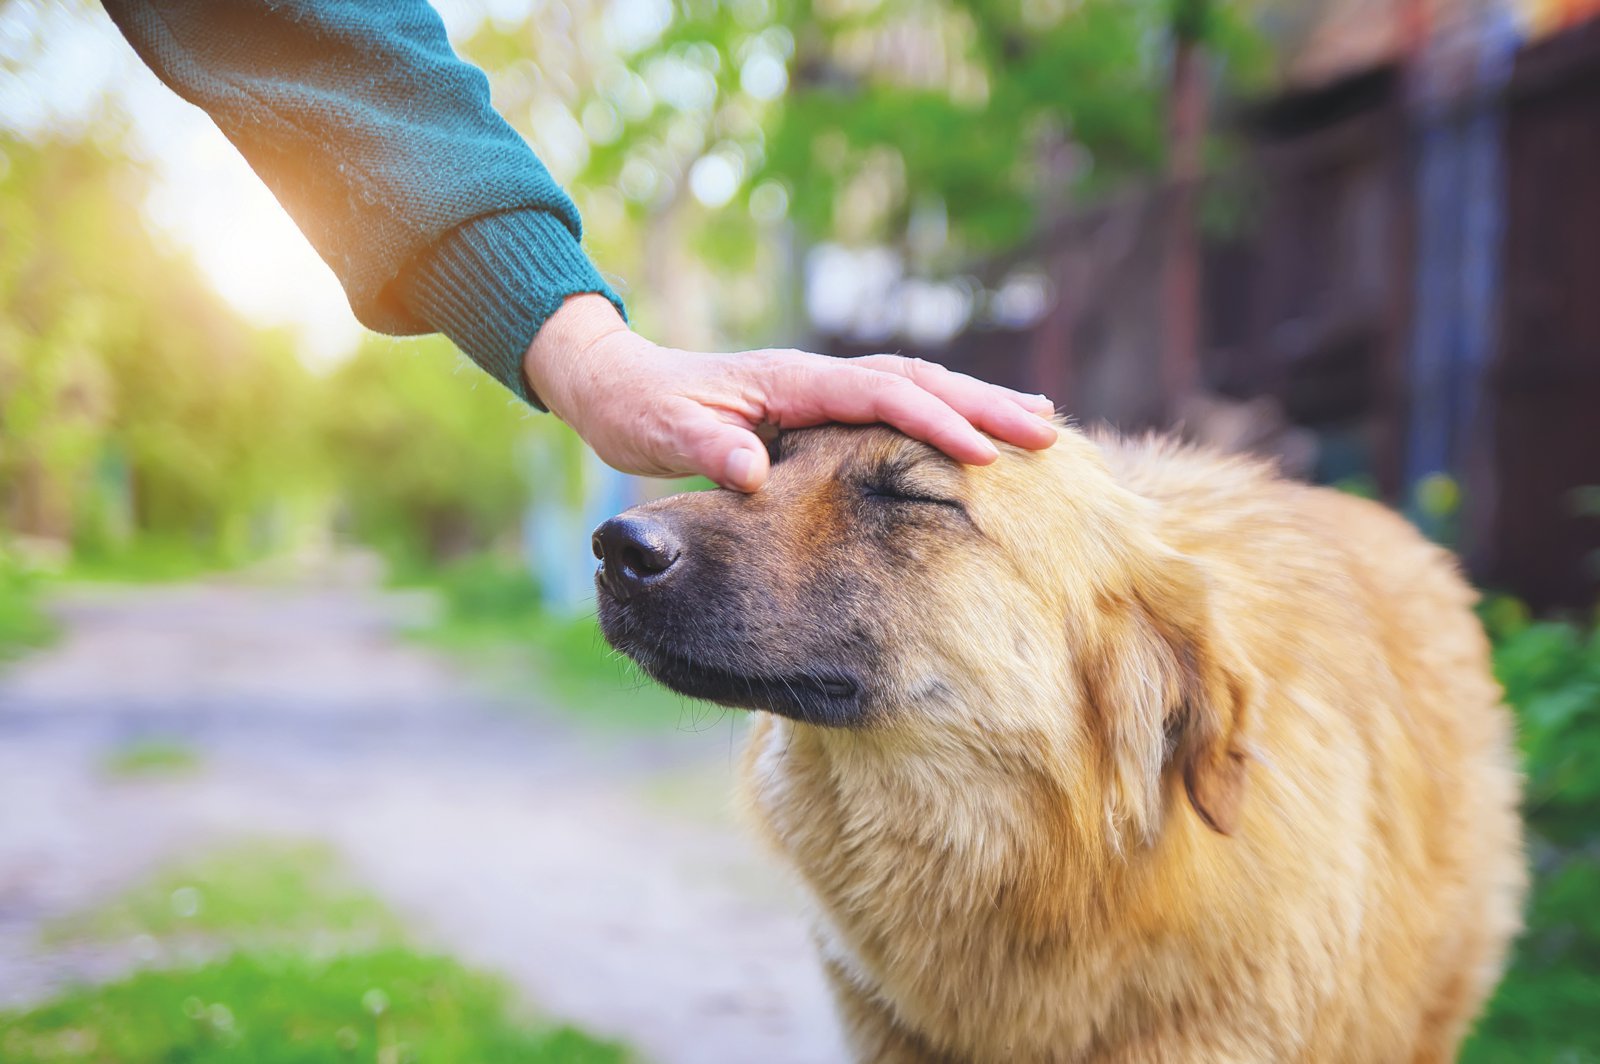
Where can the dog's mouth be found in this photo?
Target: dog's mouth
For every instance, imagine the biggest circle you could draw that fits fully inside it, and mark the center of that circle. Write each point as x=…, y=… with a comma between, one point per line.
x=824, y=696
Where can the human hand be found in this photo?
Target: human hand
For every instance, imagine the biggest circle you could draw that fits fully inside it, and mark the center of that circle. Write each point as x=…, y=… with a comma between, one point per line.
x=661, y=412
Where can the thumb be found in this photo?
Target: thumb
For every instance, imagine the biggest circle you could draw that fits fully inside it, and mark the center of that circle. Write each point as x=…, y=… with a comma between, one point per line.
x=731, y=455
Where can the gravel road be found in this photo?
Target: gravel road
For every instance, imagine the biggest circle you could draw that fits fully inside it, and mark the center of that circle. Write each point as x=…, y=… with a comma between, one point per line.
x=573, y=865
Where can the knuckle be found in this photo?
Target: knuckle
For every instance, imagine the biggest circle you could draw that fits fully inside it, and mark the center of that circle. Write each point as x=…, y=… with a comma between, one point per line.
x=766, y=361
x=879, y=363
x=894, y=384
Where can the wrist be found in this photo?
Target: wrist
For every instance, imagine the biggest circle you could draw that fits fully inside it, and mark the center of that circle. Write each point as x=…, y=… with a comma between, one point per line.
x=561, y=344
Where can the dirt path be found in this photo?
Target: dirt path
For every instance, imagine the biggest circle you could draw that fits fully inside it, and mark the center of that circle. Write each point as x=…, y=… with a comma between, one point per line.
x=503, y=836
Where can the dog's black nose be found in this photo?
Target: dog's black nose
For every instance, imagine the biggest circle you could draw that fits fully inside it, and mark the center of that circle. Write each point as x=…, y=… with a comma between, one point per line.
x=634, y=552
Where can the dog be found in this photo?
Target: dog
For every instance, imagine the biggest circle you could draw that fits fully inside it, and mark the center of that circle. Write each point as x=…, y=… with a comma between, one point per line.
x=1120, y=751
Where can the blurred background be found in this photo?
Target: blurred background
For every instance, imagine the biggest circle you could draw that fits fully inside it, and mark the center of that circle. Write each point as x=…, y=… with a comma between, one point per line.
x=309, y=748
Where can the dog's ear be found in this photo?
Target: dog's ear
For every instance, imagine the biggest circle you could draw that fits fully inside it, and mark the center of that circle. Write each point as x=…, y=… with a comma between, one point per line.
x=1169, y=698
x=1209, y=692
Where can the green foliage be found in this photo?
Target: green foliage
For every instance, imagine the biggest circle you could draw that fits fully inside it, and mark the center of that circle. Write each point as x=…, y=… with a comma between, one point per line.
x=944, y=128
x=1551, y=673
x=426, y=451
x=133, y=403
x=23, y=624
x=843, y=120
x=147, y=559
x=488, y=591
x=1361, y=485
x=143, y=422
x=493, y=619
x=1436, y=508
x=1544, y=1010
x=284, y=994
x=151, y=758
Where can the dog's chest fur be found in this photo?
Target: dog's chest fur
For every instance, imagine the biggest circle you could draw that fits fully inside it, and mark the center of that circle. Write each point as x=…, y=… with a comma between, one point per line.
x=931, y=906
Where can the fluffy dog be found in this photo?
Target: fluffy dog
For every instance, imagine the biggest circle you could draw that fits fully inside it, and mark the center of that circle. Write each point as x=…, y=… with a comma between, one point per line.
x=1113, y=752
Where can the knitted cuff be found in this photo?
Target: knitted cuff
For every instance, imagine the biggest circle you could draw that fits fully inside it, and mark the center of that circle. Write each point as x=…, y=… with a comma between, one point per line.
x=492, y=282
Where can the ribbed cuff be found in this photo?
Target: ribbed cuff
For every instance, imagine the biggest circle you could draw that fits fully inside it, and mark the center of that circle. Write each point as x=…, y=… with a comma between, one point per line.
x=493, y=282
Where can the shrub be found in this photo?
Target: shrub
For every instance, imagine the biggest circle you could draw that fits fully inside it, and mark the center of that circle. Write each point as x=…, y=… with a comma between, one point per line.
x=23, y=625
x=1545, y=1008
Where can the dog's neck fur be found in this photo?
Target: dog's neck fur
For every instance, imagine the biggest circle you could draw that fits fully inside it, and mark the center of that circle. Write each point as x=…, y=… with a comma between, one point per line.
x=934, y=874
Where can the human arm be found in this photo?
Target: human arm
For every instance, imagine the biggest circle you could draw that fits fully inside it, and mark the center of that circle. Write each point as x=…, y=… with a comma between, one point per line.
x=436, y=216
x=383, y=146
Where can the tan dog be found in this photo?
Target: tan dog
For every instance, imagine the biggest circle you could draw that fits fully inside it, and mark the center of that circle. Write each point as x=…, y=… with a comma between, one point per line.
x=1113, y=752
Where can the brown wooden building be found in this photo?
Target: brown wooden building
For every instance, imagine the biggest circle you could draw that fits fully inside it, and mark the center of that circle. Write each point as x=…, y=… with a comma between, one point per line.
x=1414, y=325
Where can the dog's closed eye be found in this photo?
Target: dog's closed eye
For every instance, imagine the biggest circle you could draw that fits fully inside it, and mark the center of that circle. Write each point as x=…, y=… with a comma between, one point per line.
x=919, y=478
x=893, y=492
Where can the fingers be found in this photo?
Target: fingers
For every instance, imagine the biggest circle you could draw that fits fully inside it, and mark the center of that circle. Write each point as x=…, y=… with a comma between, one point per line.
x=696, y=413
x=728, y=454
x=930, y=374
x=1012, y=416
x=811, y=389
x=1039, y=403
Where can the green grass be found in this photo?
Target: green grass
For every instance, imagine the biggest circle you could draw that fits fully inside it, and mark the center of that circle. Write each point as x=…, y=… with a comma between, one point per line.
x=569, y=664
x=24, y=625
x=145, y=758
x=144, y=561
x=493, y=619
x=263, y=891
x=301, y=967
x=389, y=1005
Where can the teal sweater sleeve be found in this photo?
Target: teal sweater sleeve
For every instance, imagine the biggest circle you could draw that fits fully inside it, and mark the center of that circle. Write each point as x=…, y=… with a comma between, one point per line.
x=382, y=144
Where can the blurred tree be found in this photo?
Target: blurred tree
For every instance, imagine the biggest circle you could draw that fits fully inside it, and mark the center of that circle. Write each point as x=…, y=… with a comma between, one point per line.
x=918, y=124
x=1186, y=130
x=130, y=397
x=428, y=455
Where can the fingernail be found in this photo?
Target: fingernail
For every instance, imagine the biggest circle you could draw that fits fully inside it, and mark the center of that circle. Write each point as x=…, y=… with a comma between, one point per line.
x=990, y=451
x=741, y=469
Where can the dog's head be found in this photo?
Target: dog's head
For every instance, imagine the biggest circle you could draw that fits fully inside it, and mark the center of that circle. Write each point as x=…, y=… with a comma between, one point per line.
x=1024, y=611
